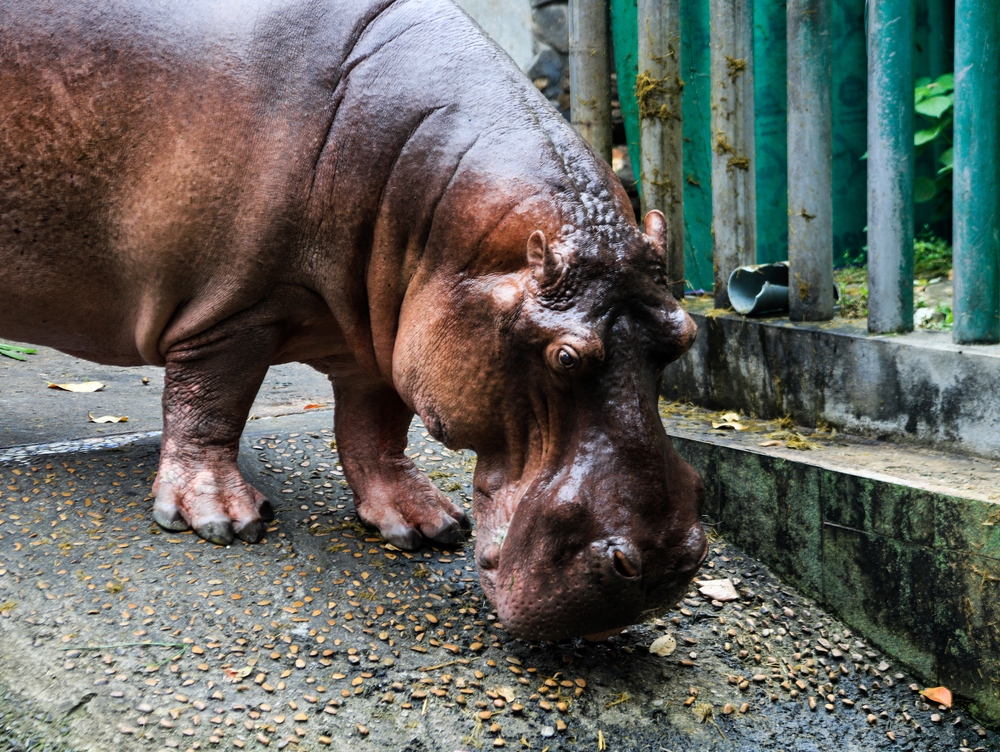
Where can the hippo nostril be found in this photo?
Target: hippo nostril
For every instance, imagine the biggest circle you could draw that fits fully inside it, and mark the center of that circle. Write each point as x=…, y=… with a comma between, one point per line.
x=488, y=557
x=623, y=565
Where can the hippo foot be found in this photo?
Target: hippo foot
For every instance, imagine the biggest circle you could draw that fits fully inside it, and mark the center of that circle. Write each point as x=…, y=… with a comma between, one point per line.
x=406, y=507
x=212, y=499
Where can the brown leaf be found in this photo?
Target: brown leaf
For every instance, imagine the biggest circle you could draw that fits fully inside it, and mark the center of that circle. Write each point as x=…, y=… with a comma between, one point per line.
x=732, y=426
x=704, y=711
x=664, y=645
x=939, y=695
x=107, y=419
x=234, y=675
x=86, y=386
x=718, y=590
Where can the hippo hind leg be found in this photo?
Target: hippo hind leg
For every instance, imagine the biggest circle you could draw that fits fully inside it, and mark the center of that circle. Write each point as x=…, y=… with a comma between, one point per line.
x=210, y=385
x=390, y=492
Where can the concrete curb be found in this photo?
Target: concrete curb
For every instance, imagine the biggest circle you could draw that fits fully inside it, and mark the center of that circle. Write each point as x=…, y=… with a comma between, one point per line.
x=917, y=388
x=914, y=570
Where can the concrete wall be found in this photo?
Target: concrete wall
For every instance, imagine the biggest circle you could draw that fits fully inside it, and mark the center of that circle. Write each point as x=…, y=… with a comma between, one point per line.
x=918, y=387
x=508, y=22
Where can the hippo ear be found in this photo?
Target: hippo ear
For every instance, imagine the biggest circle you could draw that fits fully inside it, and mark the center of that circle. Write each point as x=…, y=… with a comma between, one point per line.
x=655, y=227
x=546, y=265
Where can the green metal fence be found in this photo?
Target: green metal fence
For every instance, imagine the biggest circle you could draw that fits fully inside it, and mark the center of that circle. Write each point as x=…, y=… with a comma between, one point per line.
x=869, y=56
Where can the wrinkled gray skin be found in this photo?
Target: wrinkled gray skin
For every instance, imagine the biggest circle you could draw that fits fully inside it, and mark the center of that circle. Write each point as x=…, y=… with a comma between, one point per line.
x=370, y=187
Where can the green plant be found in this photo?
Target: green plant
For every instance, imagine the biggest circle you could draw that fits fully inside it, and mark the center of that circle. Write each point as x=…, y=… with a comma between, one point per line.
x=931, y=256
x=934, y=103
x=15, y=352
x=931, y=259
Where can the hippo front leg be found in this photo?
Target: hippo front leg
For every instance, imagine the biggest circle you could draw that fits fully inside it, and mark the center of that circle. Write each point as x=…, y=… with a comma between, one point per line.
x=209, y=388
x=390, y=492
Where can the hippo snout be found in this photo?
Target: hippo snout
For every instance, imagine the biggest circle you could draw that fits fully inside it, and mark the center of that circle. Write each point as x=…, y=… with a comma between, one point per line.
x=687, y=330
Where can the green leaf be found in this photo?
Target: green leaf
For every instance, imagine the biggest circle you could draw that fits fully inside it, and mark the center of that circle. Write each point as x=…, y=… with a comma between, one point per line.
x=936, y=106
x=15, y=352
x=946, y=159
x=921, y=90
x=929, y=134
x=924, y=189
x=946, y=82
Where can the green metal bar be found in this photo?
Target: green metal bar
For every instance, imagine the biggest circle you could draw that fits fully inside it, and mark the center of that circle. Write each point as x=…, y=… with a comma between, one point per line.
x=624, y=34
x=734, y=219
x=590, y=73
x=771, y=109
x=976, y=204
x=697, y=108
x=810, y=161
x=697, y=133
x=890, y=165
x=850, y=132
x=658, y=90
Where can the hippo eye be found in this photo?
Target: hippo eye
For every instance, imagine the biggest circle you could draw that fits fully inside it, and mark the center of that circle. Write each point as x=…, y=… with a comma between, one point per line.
x=567, y=358
x=573, y=355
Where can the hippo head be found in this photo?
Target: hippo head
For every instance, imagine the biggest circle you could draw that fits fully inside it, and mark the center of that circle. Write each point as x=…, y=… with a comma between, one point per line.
x=549, y=368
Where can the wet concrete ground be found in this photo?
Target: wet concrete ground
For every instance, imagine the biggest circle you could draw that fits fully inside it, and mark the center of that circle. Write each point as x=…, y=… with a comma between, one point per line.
x=115, y=634
x=31, y=413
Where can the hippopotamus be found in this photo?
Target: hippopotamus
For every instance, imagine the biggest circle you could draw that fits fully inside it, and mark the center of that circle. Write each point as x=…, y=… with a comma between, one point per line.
x=370, y=187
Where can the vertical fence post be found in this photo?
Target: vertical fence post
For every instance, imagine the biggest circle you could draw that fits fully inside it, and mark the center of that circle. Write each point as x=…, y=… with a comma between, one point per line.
x=589, y=73
x=696, y=56
x=890, y=165
x=734, y=203
x=810, y=161
x=771, y=129
x=850, y=138
x=658, y=91
x=976, y=202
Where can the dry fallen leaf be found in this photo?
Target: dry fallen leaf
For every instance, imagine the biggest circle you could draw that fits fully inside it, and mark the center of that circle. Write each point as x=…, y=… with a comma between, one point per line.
x=940, y=695
x=771, y=444
x=107, y=419
x=86, y=386
x=234, y=676
x=730, y=426
x=314, y=405
x=718, y=590
x=729, y=417
x=704, y=711
x=506, y=693
x=664, y=645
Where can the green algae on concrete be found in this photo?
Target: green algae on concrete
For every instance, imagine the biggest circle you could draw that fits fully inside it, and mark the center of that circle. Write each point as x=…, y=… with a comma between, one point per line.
x=968, y=636
x=881, y=587
x=770, y=507
x=915, y=571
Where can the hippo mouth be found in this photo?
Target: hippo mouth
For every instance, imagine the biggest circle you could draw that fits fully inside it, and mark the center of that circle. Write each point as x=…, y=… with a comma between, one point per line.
x=602, y=636
x=595, y=593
